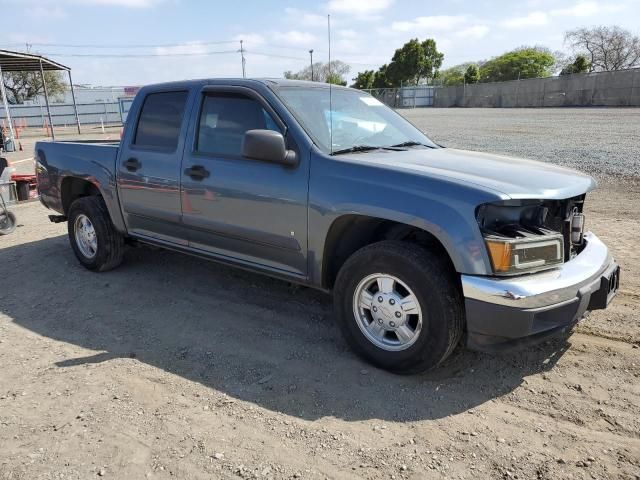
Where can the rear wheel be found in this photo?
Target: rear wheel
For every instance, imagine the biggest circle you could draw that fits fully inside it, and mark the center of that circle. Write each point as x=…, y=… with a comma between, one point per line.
x=7, y=223
x=399, y=306
x=95, y=241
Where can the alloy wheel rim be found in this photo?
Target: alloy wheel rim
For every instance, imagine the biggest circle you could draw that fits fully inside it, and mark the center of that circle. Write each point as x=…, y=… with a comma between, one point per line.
x=86, y=238
x=387, y=312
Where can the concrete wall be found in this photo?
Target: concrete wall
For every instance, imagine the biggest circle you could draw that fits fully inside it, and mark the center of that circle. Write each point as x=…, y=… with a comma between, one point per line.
x=614, y=89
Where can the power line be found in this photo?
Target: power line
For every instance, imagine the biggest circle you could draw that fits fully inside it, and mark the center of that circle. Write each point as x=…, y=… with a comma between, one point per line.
x=283, y=47
x=134, y=55
x=183, y=45
x=185, y=54
x=170, y=45
x=243, y=52
x=96, y=45
x=274, y=55
x=149, y=45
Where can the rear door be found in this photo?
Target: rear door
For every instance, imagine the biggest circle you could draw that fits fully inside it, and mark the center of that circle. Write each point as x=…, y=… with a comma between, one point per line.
x=251, y=211
x=149, y=167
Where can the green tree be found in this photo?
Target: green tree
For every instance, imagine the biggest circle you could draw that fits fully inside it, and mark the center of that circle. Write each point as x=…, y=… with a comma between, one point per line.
x=335, y=79
x=432, y=59
x=321, y=72
x=579, y=65
x=459, y=74
x=364, y=80
x=472, y=74
x=381, y=79
x=414, y=61
x=452, y=76
x=406, y=63
x=524, y=62
x=23, y=86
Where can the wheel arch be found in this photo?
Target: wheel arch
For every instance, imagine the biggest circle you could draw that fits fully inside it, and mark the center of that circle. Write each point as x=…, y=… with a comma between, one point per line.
x=350, y=232
x=72, y=188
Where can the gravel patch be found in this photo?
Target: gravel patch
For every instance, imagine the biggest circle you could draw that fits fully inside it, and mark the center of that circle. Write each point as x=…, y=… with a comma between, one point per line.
x=602, y=141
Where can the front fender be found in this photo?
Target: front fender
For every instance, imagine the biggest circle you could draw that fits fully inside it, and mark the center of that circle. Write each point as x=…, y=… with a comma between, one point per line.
x=442, y=208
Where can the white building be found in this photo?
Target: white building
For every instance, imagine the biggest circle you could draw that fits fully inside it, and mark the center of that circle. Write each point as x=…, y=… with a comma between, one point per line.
x=87, y=94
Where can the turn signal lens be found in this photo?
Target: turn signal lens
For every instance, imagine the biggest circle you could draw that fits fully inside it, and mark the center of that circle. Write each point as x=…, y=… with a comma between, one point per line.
x=500, y=254
x=511, y=256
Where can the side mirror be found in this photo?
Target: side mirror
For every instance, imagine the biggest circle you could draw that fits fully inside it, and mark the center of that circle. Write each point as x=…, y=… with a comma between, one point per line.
x=267, y=146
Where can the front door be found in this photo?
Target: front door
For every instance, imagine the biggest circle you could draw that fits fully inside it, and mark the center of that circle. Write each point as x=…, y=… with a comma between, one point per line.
x=246, y=210
x=149, y=168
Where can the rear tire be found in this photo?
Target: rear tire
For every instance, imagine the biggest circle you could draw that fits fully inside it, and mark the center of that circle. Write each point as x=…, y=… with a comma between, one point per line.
x=94, y=240
x=7, y=223
x=414, y=321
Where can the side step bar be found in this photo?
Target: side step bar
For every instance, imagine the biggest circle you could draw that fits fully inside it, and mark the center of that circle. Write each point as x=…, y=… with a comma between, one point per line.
x=57, y=218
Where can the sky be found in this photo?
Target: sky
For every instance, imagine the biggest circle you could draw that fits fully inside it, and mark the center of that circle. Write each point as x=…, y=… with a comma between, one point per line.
x=134, y=42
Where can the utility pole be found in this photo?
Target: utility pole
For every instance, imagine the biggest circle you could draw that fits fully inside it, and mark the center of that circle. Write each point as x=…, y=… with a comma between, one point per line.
x=244, y=75
x=311, y=55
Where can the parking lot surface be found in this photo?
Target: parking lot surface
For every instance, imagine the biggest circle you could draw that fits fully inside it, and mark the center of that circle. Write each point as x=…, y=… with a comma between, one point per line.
x=172, y=367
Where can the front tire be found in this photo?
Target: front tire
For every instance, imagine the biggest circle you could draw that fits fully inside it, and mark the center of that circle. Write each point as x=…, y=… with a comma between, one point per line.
x=399, y=306
x=95, y=241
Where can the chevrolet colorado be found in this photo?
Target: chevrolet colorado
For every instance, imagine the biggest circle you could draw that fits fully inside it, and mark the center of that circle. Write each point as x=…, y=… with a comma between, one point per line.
x=422, y=246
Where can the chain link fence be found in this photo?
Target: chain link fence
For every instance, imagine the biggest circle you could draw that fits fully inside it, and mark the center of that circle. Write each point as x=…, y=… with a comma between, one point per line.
x=32, y=117
x=405, y=97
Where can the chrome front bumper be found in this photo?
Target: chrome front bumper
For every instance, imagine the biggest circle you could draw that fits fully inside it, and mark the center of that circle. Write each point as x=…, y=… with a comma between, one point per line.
x=503, y=309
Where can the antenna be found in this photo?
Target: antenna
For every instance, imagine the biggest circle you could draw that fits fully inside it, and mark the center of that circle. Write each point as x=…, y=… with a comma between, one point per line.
x=330, y=81
x=243, y=61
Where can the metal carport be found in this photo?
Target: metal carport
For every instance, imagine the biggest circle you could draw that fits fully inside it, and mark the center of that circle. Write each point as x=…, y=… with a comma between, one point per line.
x=25, y=62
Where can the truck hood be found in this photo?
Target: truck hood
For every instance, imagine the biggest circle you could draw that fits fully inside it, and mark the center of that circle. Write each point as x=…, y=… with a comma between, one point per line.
x=512, y=177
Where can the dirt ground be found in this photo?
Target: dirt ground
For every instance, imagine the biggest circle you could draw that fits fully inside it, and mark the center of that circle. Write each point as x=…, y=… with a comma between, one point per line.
x=170, y=367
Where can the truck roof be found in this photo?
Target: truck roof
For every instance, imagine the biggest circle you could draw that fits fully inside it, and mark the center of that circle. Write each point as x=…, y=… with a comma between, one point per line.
x=270, y=82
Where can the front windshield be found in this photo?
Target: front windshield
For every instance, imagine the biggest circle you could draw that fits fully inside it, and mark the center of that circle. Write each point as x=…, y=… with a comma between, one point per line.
x=356, y=118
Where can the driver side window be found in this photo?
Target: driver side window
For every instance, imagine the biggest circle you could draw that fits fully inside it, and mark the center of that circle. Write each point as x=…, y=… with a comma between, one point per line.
x=225, y=118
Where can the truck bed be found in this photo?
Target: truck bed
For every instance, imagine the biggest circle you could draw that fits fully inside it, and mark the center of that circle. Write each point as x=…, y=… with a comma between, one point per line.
x=55, y=161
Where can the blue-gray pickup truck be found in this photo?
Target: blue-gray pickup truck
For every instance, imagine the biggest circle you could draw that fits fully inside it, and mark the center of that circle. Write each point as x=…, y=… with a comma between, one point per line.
x=423, y=247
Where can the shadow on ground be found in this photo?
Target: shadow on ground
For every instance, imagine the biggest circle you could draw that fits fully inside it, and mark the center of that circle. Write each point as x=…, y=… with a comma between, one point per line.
x=251, y=337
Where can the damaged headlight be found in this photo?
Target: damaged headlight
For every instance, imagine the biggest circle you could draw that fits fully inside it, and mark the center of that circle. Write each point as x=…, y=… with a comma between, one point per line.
x=521, y=255
x=524, y=236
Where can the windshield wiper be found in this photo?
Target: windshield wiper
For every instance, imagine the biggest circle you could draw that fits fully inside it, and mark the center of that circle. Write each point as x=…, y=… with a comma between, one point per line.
x=410, y=143
x=355, y=148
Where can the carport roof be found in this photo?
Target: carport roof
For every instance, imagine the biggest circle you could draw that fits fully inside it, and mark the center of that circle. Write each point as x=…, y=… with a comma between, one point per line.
x=25, y=62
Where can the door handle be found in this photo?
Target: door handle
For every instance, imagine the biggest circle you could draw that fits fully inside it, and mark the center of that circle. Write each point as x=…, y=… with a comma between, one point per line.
x=132, y=164
x=197, y=172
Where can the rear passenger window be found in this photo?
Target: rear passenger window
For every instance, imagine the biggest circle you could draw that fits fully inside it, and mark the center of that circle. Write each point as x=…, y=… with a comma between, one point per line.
x=225, y=118
x=160, y=120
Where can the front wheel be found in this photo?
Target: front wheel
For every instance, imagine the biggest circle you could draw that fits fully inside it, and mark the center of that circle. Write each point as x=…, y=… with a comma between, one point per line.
x=399, y=306
x=95, y=241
